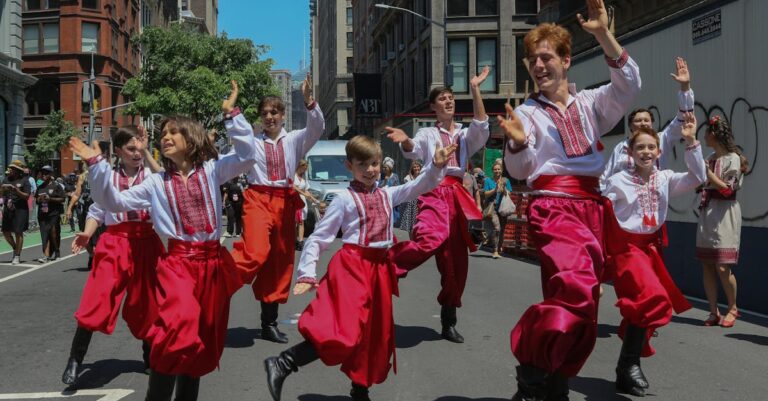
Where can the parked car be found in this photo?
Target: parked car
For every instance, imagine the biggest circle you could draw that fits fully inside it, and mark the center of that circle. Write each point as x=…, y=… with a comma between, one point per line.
x=327, y=176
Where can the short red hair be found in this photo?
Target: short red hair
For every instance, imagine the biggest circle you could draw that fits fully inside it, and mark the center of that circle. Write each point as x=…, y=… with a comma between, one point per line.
x=557, y=37
x=643, y=131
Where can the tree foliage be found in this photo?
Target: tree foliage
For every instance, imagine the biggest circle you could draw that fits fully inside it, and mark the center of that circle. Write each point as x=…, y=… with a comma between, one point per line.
x=187, y=72
x=51, y=138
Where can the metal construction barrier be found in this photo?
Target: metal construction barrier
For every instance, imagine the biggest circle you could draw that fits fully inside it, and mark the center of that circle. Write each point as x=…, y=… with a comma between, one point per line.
x=517, y=233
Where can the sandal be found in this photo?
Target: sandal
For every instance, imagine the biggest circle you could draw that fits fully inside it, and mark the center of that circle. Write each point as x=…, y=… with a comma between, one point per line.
x=729, y=323
x=713, y=319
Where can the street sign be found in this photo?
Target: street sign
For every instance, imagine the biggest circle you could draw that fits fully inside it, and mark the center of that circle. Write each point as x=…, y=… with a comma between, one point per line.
x=706, y=27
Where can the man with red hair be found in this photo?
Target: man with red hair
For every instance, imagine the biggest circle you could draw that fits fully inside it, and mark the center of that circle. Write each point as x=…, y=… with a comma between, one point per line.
x=553, y=141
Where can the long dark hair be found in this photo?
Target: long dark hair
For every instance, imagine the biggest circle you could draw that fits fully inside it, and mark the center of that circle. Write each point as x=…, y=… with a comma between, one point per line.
x=720, y=129
x=199, y=146
x=122, y=137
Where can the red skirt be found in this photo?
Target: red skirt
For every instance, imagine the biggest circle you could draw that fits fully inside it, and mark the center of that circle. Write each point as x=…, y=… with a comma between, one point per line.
x=646, y=293
x=350, y=320
x=124, y=261
x=195, y=283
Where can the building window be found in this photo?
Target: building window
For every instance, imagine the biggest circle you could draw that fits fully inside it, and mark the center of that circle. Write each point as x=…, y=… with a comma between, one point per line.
x=90, y=39
x=486, y=55
x=30, y=5
x=349, y=15
x=115, y=43
x=37, y=37
x=458, y=49
x=349, y=40
x=527, y=6
x=458, y=8
x=93, y=4
x=520, y=71
x=43, y=98
x=350, y=90
x=486, y=7
x=184, y=5
x=350, y=65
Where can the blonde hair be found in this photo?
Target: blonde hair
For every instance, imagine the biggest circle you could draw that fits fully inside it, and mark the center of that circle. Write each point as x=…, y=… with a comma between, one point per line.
x=362, y=148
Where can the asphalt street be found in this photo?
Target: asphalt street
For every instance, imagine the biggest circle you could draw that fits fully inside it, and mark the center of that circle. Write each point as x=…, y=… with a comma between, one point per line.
x=693, y=362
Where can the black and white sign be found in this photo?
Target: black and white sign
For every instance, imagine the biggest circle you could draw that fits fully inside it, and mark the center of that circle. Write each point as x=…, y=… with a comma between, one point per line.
x=706, y=27
x=368, y=95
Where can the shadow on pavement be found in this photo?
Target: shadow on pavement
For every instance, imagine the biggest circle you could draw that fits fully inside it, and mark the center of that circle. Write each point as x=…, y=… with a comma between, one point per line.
x=411, y=336
x=595, y=389
x=459, y=398
x=753, y=338
x=606, y=330
x=77, y=269
x=240, y=337
x=319, y=397
x=101, y=373
x=688, y=320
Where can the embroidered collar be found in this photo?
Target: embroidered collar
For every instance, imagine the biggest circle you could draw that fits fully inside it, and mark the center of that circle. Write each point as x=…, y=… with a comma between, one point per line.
x=358, y=186
x=263, y=136
x=571, y=97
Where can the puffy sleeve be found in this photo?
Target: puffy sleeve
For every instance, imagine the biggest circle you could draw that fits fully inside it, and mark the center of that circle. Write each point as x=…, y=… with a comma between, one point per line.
x=243, y=155
x=96, y=212
x=321, y=238
x=424, y=182
x=612, y=100
x=308, y=137
x=137, y=197
x=730, y=173
x=420, y=146
x=521, y=160
x=680, y=183
x=477, y=136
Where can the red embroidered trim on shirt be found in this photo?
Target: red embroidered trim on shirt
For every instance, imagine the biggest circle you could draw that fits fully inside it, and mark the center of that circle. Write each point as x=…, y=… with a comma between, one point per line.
x=572, y=135
x=191, y=202
x=122, y=183
x=446, y=141
x=275, y=160
x=647, y=197
x=374, y=212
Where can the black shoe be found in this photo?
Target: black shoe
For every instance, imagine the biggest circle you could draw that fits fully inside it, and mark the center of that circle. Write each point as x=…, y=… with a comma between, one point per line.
x=145, y=352
x=558, y=388
x=532, y=384
x=359, y=393
x=160, y=387
x=269, y=330
x=187, y=388
x=279, y=367
x=629, y=376
x=69, y=377
x=448, y=320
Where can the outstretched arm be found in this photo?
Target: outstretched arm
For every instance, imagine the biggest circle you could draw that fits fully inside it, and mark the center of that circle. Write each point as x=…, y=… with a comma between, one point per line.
x=319, y=241
x=696, y=175
x=241, y=133
x=685, y=102
x=597, y=26
x=477, y=98
x=428, y=179
x=149, y=158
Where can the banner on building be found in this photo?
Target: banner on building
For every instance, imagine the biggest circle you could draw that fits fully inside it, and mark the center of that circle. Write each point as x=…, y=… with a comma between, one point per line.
x=368, y=95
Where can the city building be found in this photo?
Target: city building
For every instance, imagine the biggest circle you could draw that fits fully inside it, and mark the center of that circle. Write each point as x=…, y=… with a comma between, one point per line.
x=202, y=13
x=13, y=84
x=410, y=54
x=332, y=61
x=723, y=43
x=282, y=80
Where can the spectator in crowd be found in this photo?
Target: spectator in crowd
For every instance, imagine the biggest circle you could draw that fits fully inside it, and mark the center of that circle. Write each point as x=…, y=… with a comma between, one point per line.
x=494, y=188
x=69, y=189
x=390, y=179
x=301, y=186
x=15, y=189
x=50, y=201
x=409, y=209
x=233, y=206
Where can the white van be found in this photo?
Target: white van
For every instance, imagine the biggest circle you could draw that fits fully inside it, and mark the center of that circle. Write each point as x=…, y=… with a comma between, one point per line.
x=327, y=176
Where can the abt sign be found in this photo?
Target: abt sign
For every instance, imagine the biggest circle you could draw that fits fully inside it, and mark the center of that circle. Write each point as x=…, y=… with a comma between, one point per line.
x=367, y=95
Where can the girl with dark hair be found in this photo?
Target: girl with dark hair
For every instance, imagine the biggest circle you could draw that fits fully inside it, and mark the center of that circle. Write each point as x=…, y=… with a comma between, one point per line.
x=118, y=268
x=719, y=230
x=196, y=277
x=410, y=208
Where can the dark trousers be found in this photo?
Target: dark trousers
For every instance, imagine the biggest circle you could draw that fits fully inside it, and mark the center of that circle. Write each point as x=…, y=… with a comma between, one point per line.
x=50, y=227
x=235, y=218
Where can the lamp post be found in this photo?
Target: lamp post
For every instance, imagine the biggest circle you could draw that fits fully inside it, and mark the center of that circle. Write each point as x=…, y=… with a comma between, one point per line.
x=448, y=70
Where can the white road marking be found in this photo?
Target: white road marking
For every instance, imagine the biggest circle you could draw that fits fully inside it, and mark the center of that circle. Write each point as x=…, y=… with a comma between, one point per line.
x=34, y=245
x=107, y=395
x=30, y=270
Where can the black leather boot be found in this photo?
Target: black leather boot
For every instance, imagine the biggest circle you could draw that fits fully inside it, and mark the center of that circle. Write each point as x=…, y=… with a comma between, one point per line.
x=160, y=387
x=532, y=384
x=279, y=367
x=146, y=349
x=187, y=388
x=629, y=376
x=359, y=393
x=448, y=320
x=269, y=330
x=80, y=343
x=558, y=388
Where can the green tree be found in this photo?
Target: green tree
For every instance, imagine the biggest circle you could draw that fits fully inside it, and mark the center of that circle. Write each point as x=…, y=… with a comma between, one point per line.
x=51, y=138
x=187, y=72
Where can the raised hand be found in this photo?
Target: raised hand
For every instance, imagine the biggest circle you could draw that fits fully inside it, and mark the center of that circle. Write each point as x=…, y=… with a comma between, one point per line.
x=683, y=76
x=396, y=135
x=598, y=17
x=229, y=103
x=443, y=154
x=85, y=152
x=80, y=242
x=301, y=288
x=689, y=128
x=306, y=89
x=142, y=138
x=478, y=80
x=512, y=126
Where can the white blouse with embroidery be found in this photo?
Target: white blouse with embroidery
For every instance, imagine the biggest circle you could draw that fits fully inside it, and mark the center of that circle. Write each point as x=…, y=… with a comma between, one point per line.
x=470, y=140
x=169, y=215
x=276, y=160
x=671, y=134
x=565, y=142
x=96, y=212
x=354, y=215
x=641, y=207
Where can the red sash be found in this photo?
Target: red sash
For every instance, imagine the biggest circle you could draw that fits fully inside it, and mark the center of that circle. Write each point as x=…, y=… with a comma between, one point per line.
x=576, y=185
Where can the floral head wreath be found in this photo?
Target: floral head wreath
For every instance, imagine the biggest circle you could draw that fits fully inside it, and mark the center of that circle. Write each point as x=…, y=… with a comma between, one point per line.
x=714, y=120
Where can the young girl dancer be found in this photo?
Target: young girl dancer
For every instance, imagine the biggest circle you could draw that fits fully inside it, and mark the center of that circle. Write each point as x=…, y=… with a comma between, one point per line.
x=646, y=293
x=124, y=260
x=350, y=321
x=196, y=277
x=719, y=231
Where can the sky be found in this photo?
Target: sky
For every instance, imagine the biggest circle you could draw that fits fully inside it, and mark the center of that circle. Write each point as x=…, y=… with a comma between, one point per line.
x=283, y=25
